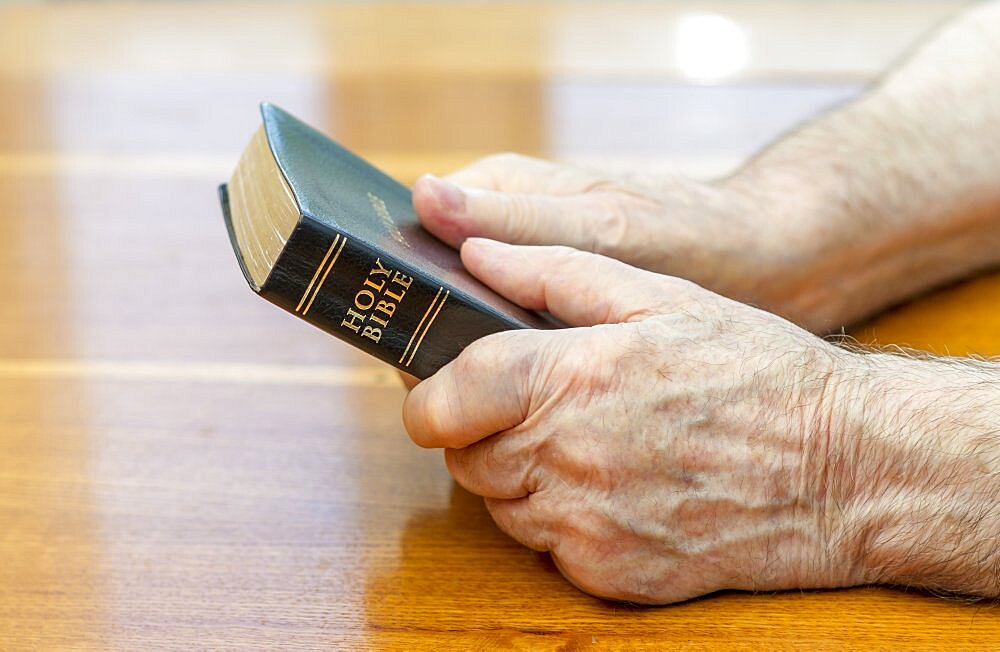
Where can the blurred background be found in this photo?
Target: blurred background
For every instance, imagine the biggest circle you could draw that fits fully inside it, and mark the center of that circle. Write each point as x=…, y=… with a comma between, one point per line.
x=183, y=464
x=415, y=84
x=117, y=119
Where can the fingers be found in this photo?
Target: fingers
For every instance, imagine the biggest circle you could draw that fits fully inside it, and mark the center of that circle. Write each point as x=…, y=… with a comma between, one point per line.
x=515, y=173
x=578, y=288
x=491, y=386
x=501, y=466
x=454, y=213
x=483, y=391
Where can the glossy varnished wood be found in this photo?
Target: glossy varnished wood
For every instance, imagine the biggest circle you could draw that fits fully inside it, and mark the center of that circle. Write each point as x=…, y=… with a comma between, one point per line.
x=183, y=466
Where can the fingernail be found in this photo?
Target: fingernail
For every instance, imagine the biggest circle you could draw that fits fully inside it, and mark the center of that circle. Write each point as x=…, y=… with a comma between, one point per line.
x=449, y=196
x=485, y=243
x=482, y=252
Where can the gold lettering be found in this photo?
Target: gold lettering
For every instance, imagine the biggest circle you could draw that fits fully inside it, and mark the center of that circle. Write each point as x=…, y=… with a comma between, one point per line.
x=353, y=320
x=383, y=214
x=368, y=296
x=387, y=307
x=376, y=302
x=402, y=279
x=377, y=287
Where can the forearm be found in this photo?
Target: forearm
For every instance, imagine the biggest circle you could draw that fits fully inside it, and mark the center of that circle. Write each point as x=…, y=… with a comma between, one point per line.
x=895, y=192
x=918, y=490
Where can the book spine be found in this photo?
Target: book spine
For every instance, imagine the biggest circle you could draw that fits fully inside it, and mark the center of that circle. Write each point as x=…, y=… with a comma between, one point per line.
x=375, y=301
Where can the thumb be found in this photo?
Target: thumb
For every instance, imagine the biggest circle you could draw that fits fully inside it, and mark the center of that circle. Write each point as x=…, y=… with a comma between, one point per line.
x=454, y=213
x=576, y=287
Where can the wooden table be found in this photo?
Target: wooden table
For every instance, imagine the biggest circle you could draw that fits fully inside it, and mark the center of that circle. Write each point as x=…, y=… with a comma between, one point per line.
x=182, y=465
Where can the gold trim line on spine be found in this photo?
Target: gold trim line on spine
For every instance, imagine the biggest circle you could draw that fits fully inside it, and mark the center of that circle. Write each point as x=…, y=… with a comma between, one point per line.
x=428, y=327
x=416, y=330
x=319, y=268
x=325, y=274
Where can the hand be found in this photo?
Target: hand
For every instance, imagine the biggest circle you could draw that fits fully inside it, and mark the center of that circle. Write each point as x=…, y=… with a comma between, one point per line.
x=671, y=444
x=727, y=240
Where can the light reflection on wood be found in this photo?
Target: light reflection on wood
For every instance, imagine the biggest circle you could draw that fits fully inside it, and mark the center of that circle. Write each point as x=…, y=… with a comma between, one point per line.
x=185, y=466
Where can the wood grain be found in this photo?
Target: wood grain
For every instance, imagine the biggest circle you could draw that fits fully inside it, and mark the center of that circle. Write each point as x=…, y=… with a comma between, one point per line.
x=182, y=466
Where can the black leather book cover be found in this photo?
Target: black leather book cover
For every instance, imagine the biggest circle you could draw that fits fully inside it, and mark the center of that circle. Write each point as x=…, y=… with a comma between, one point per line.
x=359, y=265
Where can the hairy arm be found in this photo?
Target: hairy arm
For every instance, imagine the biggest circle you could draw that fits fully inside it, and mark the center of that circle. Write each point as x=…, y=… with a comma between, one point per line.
x=858, y=209
x=701, y=444
x=915, y=485
x=896, y=192
x=672, y=442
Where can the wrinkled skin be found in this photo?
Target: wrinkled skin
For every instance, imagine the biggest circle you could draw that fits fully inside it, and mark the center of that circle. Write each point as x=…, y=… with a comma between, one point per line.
x=670, y=444
x=725, y=236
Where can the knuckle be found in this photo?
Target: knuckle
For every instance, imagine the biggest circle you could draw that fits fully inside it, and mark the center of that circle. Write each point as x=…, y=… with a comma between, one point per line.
x=492, y=172
x=477, y=358
x=568, y=257
x=427, y=421
x=612, y=228
x=504, y=352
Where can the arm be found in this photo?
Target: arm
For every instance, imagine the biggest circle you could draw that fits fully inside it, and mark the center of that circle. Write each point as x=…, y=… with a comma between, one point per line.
x=673, y=442
x=896, y=192
x=864, y=206
x=917, y=489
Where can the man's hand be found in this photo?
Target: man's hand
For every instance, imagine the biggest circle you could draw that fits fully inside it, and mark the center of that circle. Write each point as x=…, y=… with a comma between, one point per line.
x=673, y=442
x=885, y=197
x=701, y=231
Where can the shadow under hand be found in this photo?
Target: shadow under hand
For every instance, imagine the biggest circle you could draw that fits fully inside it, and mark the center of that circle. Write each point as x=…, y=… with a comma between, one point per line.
x=457, y=572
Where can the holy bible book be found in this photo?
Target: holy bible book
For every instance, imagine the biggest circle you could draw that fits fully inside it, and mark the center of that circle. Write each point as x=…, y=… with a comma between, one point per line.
x=326, y=236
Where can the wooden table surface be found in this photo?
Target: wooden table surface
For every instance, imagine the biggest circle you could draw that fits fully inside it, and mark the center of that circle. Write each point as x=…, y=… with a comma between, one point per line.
x=182, y=465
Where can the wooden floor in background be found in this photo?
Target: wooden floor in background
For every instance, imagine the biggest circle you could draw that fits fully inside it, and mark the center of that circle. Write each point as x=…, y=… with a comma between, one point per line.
x=183, y=466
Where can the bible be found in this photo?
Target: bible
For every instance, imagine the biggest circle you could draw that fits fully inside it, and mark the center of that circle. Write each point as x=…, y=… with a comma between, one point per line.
x=331, y=239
